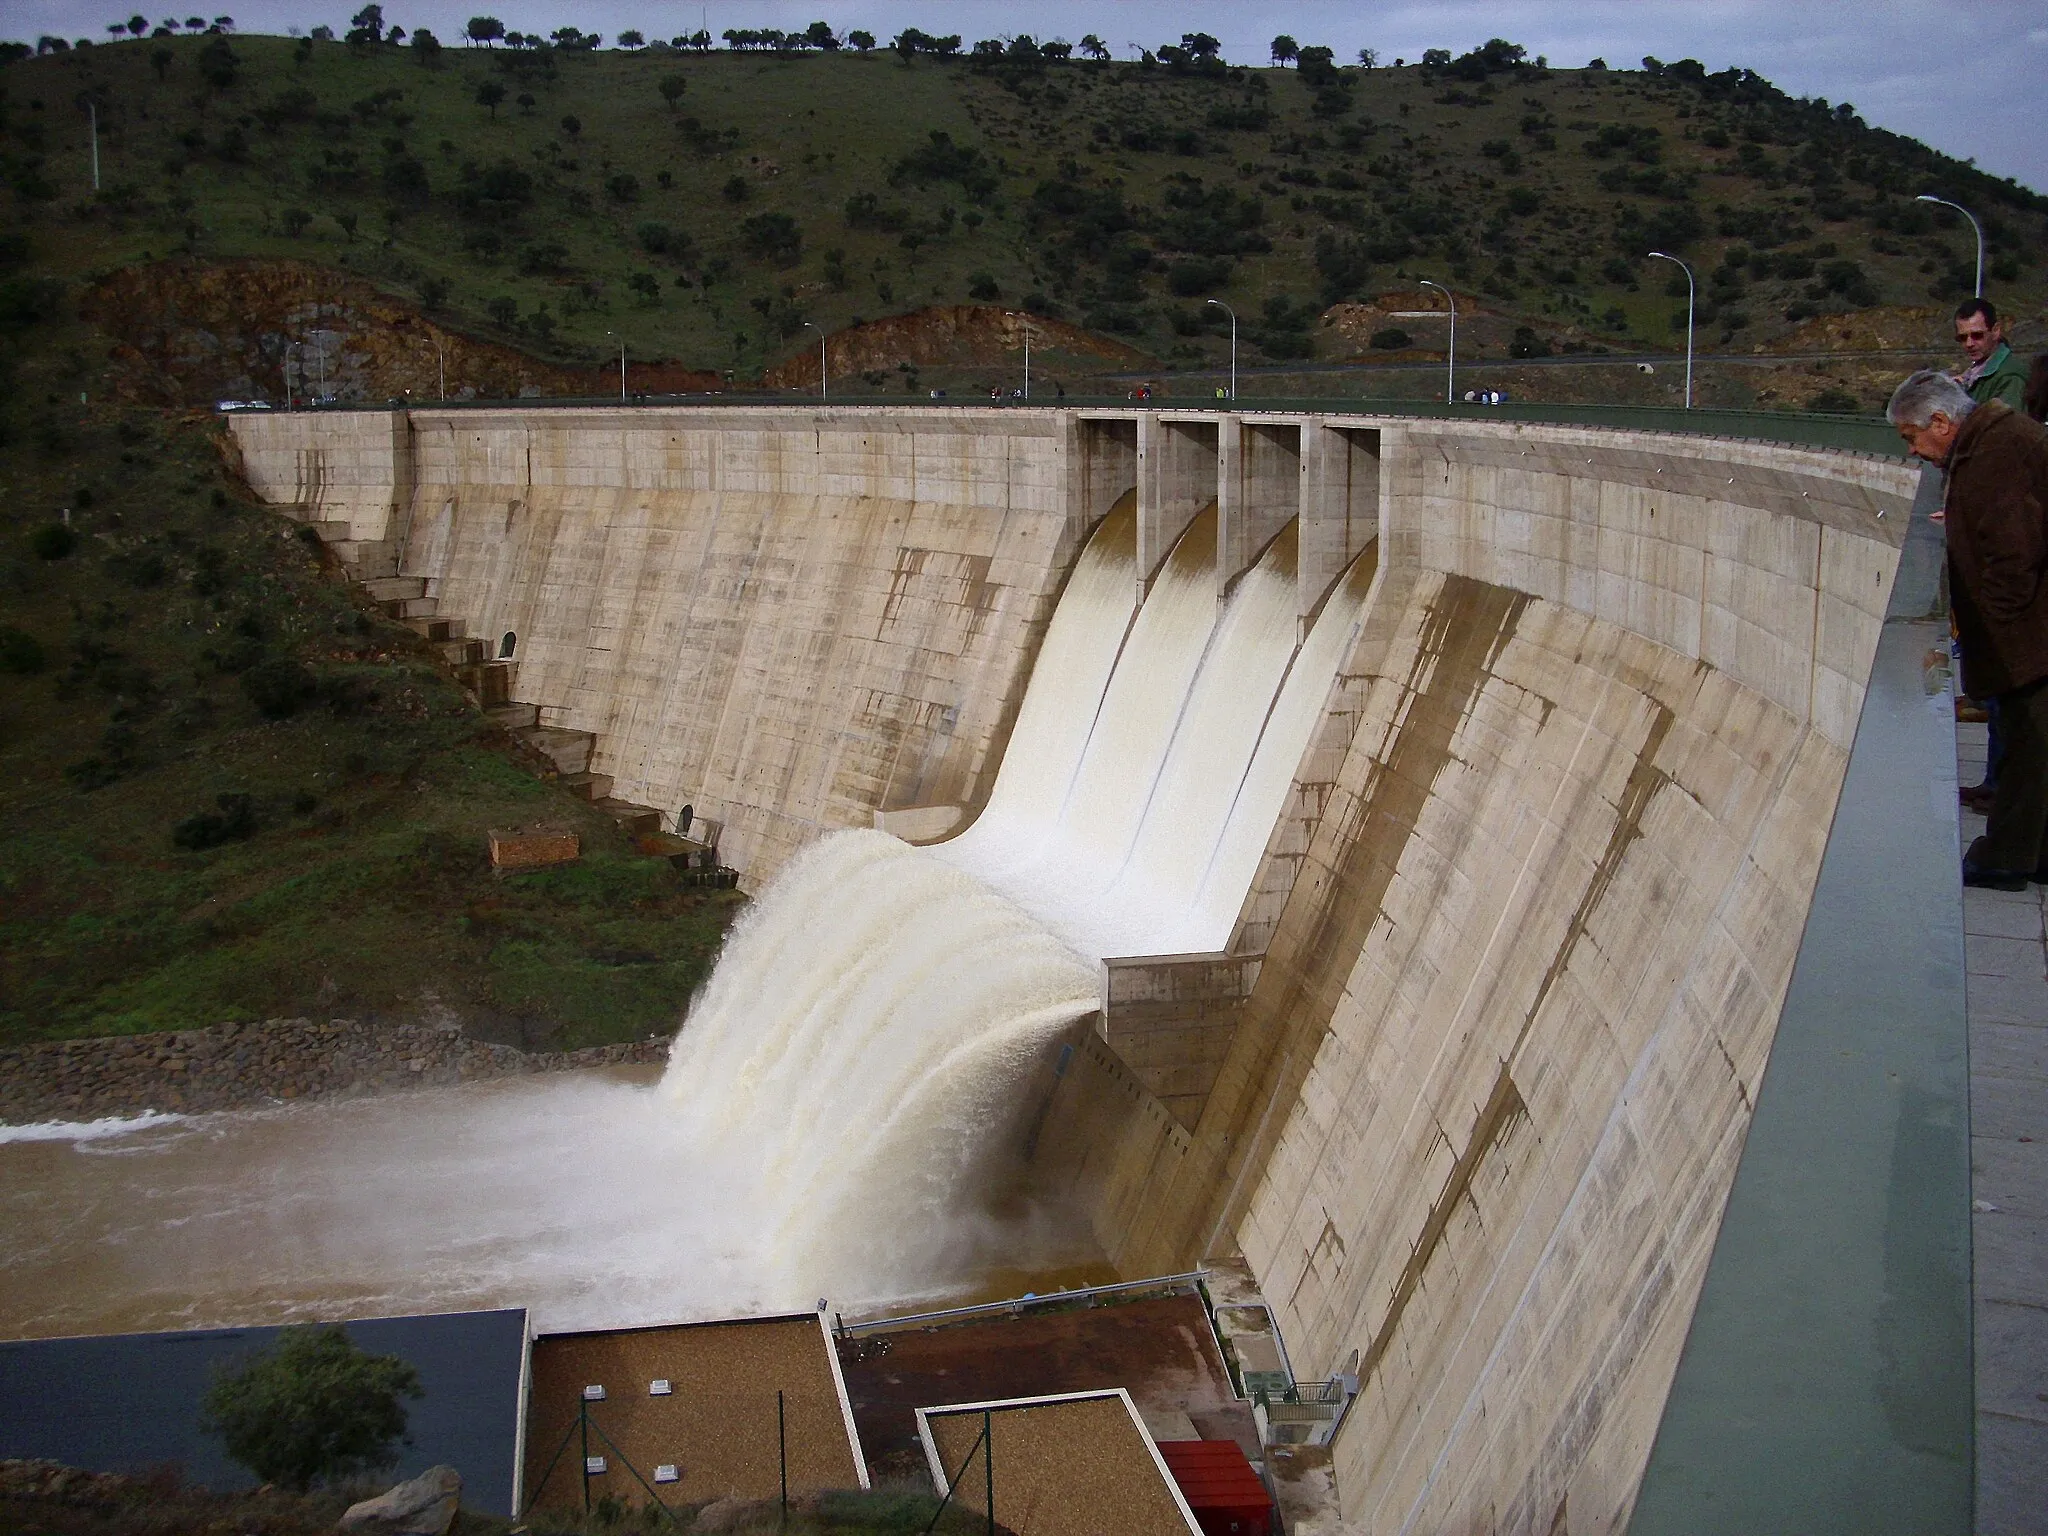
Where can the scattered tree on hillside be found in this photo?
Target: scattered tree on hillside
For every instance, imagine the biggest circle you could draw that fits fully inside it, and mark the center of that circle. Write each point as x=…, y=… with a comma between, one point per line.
x=859, y=41
x=137, y=25
x=1094, y=47
x=484, y=29
x=1285, y=49
x=819, y=35
x=489, y=94
x=312, y=1409
x=366, y=26
x=572, y=125
x=218, y=63
x=160, y=60
x=632, y=39
x=672, y=88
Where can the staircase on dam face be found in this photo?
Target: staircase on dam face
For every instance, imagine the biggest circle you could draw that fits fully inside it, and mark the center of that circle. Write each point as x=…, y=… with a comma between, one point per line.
x=489, y=680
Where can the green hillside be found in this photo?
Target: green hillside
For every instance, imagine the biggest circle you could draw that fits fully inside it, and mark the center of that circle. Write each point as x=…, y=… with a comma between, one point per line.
x=706, y=204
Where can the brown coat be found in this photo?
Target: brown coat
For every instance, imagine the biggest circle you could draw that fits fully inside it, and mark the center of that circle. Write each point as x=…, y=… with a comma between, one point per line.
x=1998, y=549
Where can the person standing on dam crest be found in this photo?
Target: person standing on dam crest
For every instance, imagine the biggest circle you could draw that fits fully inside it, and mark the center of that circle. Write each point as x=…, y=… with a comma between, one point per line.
x=1993, y=373
x=1997, y=523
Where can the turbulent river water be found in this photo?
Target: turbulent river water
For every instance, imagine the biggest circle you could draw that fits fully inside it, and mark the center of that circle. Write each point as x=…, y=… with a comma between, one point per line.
x=823, y=1126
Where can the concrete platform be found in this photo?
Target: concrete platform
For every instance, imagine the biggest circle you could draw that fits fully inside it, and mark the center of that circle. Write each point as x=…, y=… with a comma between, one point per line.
x=2008, y=1002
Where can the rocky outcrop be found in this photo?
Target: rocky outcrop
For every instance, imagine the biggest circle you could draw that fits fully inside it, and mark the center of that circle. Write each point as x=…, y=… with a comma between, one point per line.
x=947, y=335
x=190, y=333
x=230, y=1066
x=420, y=1506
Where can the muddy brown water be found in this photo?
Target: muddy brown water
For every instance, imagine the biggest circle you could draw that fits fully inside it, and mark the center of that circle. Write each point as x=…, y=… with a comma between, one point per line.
x=566, y=1194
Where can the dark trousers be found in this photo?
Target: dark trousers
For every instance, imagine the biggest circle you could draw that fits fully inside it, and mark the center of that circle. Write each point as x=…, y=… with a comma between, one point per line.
x=2016, y=832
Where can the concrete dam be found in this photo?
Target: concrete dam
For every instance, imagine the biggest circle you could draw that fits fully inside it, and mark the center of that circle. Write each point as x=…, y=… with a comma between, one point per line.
x=1377, y=845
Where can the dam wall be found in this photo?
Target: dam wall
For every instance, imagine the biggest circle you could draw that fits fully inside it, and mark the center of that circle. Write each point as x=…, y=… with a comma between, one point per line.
x=1527, y=925
x=1469, y=1085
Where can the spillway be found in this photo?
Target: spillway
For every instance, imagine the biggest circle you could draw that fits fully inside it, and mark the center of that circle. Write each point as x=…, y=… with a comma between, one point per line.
x=1376, y=845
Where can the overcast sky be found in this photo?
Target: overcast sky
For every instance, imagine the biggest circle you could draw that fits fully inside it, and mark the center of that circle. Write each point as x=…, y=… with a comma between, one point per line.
x=1967, y=76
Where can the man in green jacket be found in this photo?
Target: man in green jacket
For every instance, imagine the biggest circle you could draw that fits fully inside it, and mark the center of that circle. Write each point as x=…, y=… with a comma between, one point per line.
x=1994, y=373
x=1997, y=527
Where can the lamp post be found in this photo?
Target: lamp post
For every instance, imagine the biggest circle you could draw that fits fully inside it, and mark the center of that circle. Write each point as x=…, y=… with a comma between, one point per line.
x=622, y=364
x=1690, y=292
x=320, y=362
x=441, y=353
x=1450, y=357
x=93, y=111
x=1233, y=343
x=823, y=393
x=1925, y=197
x=1027, y=359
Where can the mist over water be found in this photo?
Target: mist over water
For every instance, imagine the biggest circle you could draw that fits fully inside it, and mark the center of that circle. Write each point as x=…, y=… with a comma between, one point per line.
x=831, y=1120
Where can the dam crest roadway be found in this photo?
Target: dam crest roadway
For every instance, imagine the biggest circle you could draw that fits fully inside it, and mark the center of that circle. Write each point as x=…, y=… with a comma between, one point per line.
x=1458, y=1027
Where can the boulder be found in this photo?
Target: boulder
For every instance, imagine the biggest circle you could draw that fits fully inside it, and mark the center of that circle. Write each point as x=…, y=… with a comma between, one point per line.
x=421, y=1506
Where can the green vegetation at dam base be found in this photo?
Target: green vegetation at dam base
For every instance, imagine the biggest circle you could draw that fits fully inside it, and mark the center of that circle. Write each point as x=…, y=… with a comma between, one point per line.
x=231, y=789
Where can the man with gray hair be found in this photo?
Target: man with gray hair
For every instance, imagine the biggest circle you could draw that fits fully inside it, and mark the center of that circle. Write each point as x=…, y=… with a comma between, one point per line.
x=1996, y=506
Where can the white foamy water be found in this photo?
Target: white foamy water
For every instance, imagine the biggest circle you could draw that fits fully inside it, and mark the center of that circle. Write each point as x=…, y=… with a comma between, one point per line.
x=834, y=1118
x=86, y=1130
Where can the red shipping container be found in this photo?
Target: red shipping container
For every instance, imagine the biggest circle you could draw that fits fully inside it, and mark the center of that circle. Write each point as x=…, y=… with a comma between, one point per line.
x=1220, y=1486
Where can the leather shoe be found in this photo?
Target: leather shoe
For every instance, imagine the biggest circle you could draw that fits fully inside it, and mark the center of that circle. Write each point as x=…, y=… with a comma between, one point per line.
x=1994, y=879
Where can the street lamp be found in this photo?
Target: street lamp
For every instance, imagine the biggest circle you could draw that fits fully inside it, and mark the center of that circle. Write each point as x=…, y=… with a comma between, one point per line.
x=1451, y=357
x=288, y=346
x=1027, y=359
x=823, y=394
x=622, y=364
x=320, y=362
x=1233, y=343
x=1689, y=294
x=1979, y=228
x=441, y=352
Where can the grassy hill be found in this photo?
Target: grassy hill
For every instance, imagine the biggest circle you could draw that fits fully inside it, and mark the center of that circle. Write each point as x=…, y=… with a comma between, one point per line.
x=704, y=206
x=226, y=782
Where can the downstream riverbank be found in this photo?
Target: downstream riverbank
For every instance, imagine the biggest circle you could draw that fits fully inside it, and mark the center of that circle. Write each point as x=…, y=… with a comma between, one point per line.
x=237, y=1066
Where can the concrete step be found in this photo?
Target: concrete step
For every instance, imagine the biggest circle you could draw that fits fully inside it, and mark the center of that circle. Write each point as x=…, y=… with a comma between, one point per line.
x=514, y=717
x=367, y=557
x=568, y=750
x=411, y=607
x=457, y=652
x=436, y=630
x=638, y=820
x=389, y=588
x=587, y=786
x=491, y=682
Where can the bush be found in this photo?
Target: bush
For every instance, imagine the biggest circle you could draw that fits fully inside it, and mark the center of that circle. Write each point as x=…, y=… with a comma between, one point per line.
x=982, y=285
x=736, y=189
x=1194, y=275
x=772, y=237
x=313, y=1409
x=233, y=822
x=52, y=541
x=20, y=652
x=278, y=687
x=1392, y=339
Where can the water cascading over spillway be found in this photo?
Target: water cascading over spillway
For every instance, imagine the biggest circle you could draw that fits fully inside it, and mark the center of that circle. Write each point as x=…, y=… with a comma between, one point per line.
x=824, y=1124
x=869, y=1019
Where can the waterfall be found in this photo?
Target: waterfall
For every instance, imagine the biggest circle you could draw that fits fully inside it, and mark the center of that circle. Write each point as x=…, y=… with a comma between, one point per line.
x=869, y=1018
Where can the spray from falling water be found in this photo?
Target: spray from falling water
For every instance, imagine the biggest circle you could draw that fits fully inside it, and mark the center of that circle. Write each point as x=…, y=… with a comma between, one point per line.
x=823, y=1125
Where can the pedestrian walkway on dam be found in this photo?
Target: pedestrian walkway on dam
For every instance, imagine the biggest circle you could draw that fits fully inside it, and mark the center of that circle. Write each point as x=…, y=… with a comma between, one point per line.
x=2008, y=1004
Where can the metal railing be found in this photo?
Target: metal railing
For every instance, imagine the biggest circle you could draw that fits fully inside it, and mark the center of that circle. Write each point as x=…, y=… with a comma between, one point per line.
x=1016, y=1305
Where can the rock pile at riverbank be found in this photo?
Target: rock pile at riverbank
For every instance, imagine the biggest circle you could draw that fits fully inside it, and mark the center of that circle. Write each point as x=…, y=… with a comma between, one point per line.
x=232, y=1066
